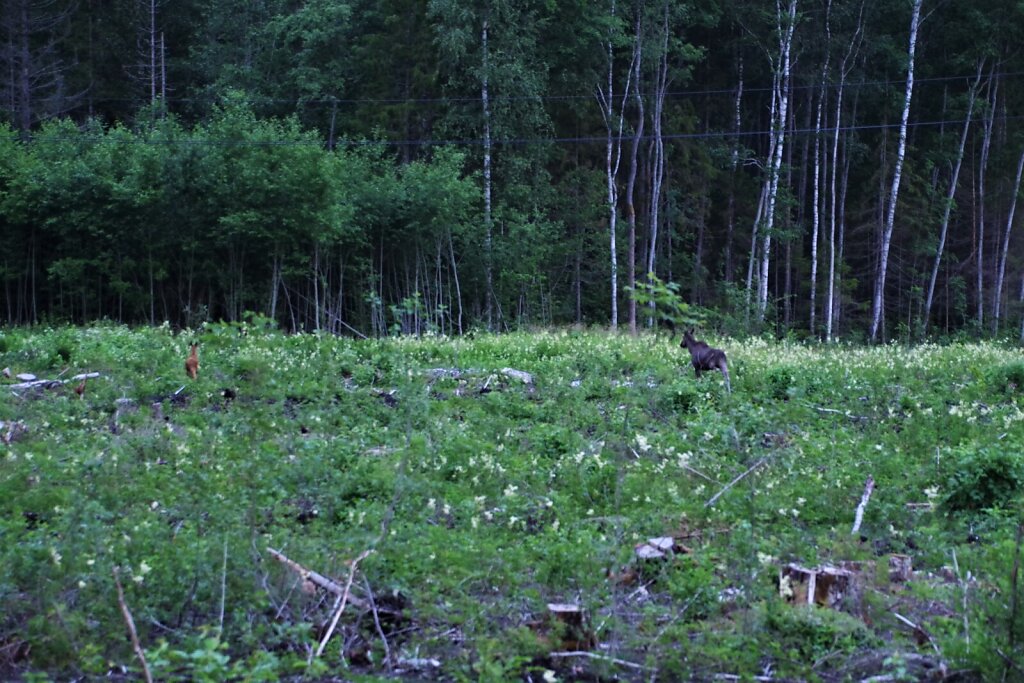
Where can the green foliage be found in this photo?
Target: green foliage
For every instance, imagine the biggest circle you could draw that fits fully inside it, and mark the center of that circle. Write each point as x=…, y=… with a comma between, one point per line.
x=983, y=477
x=666, y=300
x=498, y=497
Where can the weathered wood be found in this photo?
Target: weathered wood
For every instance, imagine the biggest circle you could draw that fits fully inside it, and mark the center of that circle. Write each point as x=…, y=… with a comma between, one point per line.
x=48, y=383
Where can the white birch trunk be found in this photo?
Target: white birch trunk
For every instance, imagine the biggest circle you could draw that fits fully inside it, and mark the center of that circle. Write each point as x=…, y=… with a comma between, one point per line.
x=659, y=155
x=631, y=185
x=1001, y=272
x=944, y=228
x=844, y=71
x=816, y=194
x=986, y=145
x=613, y=155
x=779, y=133
x=733, y=163
x=878, y=304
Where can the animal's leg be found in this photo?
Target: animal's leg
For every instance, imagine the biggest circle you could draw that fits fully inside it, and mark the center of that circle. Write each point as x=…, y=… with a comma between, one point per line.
x=725, y=373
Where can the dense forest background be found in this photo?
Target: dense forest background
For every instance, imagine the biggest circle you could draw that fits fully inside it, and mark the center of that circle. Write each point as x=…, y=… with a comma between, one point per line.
x=825, y=168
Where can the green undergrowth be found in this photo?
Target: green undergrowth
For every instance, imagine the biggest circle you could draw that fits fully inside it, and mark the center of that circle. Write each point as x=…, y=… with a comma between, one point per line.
x=485, y=497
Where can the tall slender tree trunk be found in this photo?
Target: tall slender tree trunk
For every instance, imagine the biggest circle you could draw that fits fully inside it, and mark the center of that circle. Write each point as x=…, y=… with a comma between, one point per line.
x=488, y=219
x=754, y=233
x=839, y=199
x=733, y=165
x=613, y=156
x=878, y=302
x=631, y=186
x=986, y=144
x=785, y=29
x=1004, y=250
x=455, y=279
x=815, y=203
x=815, y=213
x=944, y=227
x=658, y=170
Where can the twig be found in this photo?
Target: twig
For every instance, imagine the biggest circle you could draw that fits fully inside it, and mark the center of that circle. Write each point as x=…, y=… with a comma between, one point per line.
x=847, y=414
x=180, y=389
x=316, y=578
x=967, y=628
x=344, y=600
x=917, y=629
x=603, y=658
x=869, y=486
x=223, y=587
x=1014, y=574
x=376, y=622
x=684, y=466
x=131, y=627
x=734, y=481
x=1009, y=662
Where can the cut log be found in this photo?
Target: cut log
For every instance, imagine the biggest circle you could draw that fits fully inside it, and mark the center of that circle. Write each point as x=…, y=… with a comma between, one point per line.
x=826, y=586
x=901, y=568
x=12, y=431
x=569, y=622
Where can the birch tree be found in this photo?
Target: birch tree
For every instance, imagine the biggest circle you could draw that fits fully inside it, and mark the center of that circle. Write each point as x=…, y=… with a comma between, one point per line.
x=613, y=156
x=785, y=25
x=845, y=66
x=633, y=162
x=986, y=145
x=944, y=227
x=997, y=295
x=878, y=301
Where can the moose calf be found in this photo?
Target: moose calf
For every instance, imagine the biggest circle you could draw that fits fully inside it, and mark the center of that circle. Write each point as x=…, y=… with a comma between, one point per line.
x=192, y=362
x=704, y=357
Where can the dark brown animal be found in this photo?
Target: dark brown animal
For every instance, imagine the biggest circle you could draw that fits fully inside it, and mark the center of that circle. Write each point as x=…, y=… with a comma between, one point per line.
x=192, y=362
x=704, y=357
x=80, y=389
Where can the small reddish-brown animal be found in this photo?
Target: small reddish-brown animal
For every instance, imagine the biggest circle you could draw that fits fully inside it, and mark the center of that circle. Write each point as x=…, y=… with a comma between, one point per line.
x=704, y=357
x=192, y=362
x=80, y=389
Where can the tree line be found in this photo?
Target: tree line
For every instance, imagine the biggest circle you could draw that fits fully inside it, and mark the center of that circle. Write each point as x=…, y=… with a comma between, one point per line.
x=823, y=168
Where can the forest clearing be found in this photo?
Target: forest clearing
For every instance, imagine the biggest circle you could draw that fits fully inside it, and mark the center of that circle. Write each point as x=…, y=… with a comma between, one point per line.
x=564, y=505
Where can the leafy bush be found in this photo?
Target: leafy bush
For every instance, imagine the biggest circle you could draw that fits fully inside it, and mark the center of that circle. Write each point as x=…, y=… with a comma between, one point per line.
x=984, y=477
x=1007, y=378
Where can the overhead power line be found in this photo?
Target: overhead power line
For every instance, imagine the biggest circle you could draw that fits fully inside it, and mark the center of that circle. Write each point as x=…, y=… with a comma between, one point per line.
x=473, y=142
x=461, y=99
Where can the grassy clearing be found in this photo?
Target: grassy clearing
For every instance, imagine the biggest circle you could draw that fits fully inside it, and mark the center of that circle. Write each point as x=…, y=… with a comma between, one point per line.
x=485, y=498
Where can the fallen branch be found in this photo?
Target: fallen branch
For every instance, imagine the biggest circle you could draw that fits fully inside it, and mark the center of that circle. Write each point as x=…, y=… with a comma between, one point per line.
x=344, y=601
x=376, y=623
x=683, y=465
x=734, y=482
x=131, y=628
x=919, y=633
x=316, y=579
x=869, y=486
x=602, y=658
x=51, y=383
x=847, y=414
x=963, y=585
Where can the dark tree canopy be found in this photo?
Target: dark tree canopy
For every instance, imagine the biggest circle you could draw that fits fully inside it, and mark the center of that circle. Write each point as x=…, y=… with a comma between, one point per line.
x=373, y=167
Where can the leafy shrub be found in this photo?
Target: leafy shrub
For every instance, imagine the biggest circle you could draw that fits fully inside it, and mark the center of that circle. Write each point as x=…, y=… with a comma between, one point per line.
x=984, y=477
x=682, y=395
x=1007, y=378
x=779, y=382
x=813, y=633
